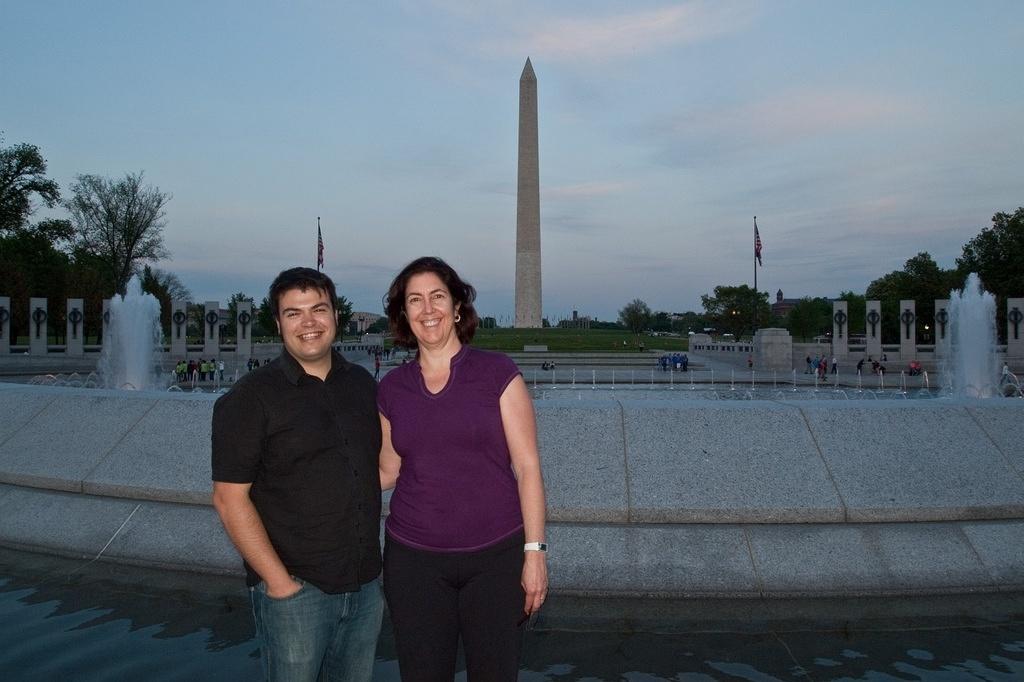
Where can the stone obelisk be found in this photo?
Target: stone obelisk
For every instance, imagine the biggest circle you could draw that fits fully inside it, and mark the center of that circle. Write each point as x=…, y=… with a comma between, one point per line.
x=528, y=309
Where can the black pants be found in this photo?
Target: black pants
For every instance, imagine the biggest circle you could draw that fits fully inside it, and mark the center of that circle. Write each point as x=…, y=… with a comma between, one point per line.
x=436, y=597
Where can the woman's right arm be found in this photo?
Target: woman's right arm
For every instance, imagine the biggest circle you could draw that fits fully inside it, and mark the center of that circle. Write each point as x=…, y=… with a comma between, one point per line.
x=390, y=464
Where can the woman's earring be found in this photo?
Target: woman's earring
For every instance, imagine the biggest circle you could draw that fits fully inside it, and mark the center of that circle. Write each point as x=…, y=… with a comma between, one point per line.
x=458, y=318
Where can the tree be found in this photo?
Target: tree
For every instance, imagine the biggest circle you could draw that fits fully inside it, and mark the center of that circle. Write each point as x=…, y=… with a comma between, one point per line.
x=266, y=325
x=120, y=221
x=996, y=254
x=86, y=280
x=856, y=310
x=635, y=316
x=690, y=321
x=195, y=322
x=344, y=308
x=166, y=287
x=22, y=175
x=888, y=290
x=731, y=309
x=31, y=266
x=232, y=322
x=661, y=322
x=810, y=317
x=922, y=281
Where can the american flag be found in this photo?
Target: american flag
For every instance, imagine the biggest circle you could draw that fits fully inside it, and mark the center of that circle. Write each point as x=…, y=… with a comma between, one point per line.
x=757, y=244
x=319, y=246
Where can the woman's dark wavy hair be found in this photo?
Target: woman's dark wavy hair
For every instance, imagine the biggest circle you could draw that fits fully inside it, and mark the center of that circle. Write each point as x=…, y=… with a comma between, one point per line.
x=463, y=295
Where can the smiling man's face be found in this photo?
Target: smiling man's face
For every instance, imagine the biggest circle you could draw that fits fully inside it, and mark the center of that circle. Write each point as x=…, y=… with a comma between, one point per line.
x=308, y=324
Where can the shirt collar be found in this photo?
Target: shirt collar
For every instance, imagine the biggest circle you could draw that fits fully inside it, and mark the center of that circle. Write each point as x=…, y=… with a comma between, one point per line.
x=455, y=359
x=293, y=371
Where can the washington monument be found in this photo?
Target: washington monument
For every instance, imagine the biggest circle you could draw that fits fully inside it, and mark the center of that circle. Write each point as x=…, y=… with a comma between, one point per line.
x=528, y=310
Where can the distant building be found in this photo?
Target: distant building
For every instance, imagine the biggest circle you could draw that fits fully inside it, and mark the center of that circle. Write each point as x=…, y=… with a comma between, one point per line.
x=360, y=322
x=577, y=322
x=782, y=306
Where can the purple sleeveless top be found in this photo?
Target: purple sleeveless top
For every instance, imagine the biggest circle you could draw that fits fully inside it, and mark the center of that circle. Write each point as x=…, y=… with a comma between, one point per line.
x=456, y=491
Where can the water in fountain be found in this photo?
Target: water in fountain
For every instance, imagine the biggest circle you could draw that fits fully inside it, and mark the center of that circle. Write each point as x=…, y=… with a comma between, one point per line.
x=132, y=341
x=972, y=320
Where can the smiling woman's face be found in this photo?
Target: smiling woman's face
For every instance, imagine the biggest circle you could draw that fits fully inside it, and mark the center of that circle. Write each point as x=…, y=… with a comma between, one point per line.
x=430, y=309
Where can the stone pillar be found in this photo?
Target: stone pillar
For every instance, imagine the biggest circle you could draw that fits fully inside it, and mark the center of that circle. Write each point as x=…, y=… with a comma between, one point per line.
x=1015, y=328
x=243, y=329
x=5, y=325
x=873, y=329
x=773, y=349
x=840, y=330
x=179, y=330
x=105, y=321
x=75, y=335
x=908, y=331
x=211, y=330
x=37, y=316
x=942, y=343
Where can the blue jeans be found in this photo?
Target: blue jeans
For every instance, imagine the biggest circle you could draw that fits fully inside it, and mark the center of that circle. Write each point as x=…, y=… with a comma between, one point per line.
x=312, y=635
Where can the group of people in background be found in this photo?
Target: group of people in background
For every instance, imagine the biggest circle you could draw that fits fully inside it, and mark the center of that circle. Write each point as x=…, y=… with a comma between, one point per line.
x=677, y=362
x=199, y=370
x=820, y=365
x=876, y=366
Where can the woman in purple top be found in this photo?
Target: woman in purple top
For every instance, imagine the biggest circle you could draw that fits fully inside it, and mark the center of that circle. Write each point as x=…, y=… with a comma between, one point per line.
x=464, y=549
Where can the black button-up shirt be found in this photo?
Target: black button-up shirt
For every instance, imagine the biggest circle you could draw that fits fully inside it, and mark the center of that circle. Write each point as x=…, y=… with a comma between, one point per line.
x=310, y=449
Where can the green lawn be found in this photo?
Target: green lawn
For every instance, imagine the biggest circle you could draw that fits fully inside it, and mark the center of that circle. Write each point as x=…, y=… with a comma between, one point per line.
x=574, y=340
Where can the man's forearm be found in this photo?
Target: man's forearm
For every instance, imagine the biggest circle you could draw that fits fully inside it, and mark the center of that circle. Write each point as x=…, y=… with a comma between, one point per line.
x=247, y=532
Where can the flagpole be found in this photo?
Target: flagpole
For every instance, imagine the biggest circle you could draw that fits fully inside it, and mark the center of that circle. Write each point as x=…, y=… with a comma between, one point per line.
x=319, y=245
x=755, y=281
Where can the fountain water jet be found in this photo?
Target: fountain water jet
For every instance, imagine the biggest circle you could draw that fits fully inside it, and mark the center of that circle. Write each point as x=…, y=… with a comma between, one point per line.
x=132, y=341
x=972, y=320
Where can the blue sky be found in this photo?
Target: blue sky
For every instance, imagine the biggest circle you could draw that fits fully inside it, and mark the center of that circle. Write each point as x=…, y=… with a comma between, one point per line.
x=859, y=133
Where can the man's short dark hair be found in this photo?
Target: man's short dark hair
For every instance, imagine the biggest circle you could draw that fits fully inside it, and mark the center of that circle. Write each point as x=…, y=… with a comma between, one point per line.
x=462, y=293
x=302, y=279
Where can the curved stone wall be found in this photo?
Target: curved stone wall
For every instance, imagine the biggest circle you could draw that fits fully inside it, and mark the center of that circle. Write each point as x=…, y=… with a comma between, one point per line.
x=644, y=497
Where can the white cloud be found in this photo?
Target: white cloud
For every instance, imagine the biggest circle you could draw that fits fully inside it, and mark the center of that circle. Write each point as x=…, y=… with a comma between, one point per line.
x=599, y=38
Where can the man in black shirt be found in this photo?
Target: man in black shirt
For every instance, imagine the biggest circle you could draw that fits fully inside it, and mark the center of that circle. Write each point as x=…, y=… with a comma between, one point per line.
x=296, y=485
